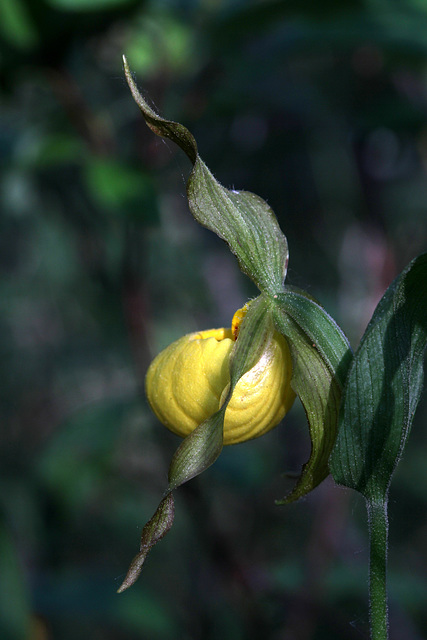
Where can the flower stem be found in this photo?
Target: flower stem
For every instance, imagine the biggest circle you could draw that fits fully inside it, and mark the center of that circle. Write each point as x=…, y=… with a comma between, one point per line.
x=378, y=535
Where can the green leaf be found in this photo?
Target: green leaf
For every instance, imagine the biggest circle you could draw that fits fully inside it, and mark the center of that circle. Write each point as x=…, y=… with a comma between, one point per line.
x=242, y=219
x=158, y=125
x=202, y=447
x=321, y=356
x=383, y=387
x=245, y=222
x=154, y=530
x=198, y=450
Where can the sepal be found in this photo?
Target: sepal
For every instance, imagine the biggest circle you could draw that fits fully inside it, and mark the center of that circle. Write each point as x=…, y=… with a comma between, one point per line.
x=242, y=219
x=321, y=355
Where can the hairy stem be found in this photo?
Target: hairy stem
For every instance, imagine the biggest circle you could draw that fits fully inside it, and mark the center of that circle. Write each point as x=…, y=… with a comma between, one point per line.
x=378, y=535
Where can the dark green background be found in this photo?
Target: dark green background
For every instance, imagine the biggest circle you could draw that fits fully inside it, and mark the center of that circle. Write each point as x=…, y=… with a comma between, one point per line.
x=321, y=109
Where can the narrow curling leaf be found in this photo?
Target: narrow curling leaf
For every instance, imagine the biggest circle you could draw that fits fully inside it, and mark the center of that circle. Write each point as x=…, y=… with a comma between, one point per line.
x=161, y=127
x=383, y=388
x=202, y=447
x=321, y=356
x=240, y=218
x=153, y=531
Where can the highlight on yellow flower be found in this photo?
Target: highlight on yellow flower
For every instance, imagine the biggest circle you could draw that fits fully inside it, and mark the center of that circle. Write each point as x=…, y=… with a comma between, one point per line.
x=189, y=380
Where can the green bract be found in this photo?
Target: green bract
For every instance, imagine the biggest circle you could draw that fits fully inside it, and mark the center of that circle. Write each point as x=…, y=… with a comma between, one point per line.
x=319, y=350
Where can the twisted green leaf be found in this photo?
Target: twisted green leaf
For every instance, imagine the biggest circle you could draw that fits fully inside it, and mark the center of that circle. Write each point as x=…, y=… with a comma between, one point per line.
x=242, y=219
x=383, y=387
x=321, y=356
x=201, y=448
x=154, y=530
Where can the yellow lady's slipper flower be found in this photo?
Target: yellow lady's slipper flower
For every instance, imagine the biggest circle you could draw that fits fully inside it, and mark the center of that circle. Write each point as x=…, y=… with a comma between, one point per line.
x=189, y=380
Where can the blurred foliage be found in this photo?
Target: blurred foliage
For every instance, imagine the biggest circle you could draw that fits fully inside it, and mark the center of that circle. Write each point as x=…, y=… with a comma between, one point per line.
x=321, y=108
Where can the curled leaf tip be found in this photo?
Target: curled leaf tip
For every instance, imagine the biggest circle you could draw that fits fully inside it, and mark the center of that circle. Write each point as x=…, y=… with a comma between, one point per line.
x=161, y=127
x=153, y=531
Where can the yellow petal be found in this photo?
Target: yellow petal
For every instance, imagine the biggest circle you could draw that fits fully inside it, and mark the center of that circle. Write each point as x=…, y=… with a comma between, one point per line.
x=188, y=381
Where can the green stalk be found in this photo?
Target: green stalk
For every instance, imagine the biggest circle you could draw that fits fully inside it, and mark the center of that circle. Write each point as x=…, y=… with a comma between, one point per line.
x=378, y=536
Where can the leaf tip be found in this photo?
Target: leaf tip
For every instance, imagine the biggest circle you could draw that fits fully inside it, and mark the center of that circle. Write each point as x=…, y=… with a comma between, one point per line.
x=133, y=571
x=154, y=530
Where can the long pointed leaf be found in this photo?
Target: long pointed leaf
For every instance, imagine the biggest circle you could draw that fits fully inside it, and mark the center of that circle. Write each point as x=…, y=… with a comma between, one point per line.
x=240, y=218
x=202, y=447
x=383, y=387
x=154, y=530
